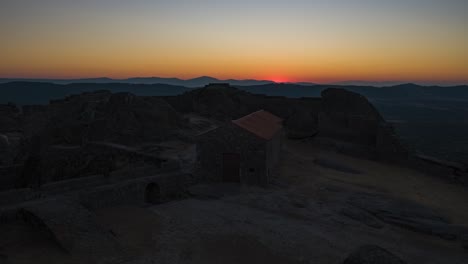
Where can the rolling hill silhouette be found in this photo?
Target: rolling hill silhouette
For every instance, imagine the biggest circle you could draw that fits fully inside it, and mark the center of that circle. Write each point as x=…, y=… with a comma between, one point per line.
x=195, y=82
x=29, y=92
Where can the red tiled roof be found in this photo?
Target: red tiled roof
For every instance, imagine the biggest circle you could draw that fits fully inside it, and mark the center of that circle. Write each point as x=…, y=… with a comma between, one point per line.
x=261, y=123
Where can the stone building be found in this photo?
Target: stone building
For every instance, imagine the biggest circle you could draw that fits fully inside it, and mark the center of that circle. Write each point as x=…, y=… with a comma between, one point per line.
x=245, y=150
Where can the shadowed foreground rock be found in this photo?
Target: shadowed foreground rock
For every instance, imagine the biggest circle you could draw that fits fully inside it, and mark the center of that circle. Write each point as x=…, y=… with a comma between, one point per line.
x=371, y=254
x=75, y=229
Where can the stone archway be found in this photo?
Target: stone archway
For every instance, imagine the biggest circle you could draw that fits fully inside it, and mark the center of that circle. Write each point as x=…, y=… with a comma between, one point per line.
x=153, y=193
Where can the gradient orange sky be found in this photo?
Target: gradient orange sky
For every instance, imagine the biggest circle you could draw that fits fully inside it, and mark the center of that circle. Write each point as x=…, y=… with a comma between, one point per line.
x=316, y=41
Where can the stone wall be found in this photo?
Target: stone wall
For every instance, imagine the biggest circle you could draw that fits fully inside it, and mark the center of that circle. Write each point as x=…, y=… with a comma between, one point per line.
x=123, y=193
x=132, y=192
x=273, y=153
x=231, y=139
x=94, y=192
x=73, y=184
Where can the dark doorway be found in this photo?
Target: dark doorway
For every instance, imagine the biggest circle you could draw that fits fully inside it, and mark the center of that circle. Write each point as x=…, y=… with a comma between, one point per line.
x=231, y=167
x=153, y=193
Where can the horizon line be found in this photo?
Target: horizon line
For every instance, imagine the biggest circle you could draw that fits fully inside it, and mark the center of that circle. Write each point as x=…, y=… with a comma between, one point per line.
x=337, y=82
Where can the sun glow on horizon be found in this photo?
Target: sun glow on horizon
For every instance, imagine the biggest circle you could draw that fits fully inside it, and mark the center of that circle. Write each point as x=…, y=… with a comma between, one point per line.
x=320, y=41
x=279, y=79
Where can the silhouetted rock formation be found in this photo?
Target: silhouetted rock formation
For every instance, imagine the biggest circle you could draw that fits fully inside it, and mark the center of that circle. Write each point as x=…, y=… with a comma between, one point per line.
x=121, y=117
x=348, y=116
x=53, y=142
x=58, y=139
x=10, y=132
x=9, y=118
x=225, y=103
x=340, y=115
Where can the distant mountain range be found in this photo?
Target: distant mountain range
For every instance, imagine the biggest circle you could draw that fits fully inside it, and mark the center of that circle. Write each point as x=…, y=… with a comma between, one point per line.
x=28, y=92
x=192, y=83
x=394, y=83
x=204, y=80
x=25, y=93
x=402, y=92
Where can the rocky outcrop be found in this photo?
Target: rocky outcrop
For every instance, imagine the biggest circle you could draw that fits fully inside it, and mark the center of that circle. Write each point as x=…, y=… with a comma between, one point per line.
x=225, y=103
x=388, y=145
x=75, y=229
x=372, y=254
x=4, y=148
x=349, y=117
x=57, y=140
x=346, y=104
x=122, y=118
x=338, y=115
x=10, y=129
x=9, y=118
x=57, y=136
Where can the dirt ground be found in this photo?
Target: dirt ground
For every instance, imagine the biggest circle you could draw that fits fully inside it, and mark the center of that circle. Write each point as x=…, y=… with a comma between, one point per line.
x=296, y=220
x=448, y=198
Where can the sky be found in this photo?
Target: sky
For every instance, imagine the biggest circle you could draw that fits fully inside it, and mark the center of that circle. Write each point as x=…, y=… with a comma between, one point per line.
x=281, y=40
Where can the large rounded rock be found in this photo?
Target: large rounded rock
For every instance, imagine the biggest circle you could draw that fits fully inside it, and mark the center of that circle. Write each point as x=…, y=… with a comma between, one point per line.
x=349, y=117
x=371, y=254
x=337, y=101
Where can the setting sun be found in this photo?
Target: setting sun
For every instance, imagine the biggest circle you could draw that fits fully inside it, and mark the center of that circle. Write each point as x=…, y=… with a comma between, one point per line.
x=278, y=79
